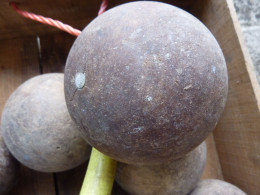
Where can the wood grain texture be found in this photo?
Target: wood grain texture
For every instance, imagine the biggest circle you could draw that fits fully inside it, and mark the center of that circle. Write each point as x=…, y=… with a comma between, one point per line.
x=77, y=13
x=54, y=52
x=34, y=183
x=212, y=169
x=237, y=135
x=69, y=182
x=19, y=62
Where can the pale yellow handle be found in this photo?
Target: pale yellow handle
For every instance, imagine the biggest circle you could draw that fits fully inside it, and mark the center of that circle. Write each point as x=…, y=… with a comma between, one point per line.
x=100, y=175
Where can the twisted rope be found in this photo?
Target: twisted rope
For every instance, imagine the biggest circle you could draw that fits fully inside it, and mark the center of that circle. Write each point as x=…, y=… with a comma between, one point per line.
x=45, y=20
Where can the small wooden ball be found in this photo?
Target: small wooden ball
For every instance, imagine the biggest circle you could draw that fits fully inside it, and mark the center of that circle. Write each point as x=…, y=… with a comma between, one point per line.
x=215, y=186
x=37, y=127
x=8, y=169
x=176, y=177
x=146, y=82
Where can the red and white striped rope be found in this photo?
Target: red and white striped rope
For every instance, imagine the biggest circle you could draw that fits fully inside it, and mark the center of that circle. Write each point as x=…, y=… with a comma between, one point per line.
x=102, y=7
x=55, y=23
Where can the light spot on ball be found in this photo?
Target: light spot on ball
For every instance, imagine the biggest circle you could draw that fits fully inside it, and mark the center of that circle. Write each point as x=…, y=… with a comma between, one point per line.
x=80, y=80
x=214, y=69
x=167, y=56
x=188, y=87
x=148, y=98
x=26, y=157
x=179, y=70
x=138, y=129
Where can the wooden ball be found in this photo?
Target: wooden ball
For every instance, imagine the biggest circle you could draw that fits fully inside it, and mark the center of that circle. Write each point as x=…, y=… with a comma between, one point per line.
x=146, y=81
x=176, y=177
x=215, y=186
x=37, y=127
x=8, y=169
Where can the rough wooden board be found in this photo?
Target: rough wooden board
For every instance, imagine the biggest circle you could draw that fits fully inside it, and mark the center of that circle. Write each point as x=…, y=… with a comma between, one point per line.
x=237, y=136
x=77, y=13
x=34, y=183
x=212, y=169
x=18, y=62
x=54, y=52
x=69, y=182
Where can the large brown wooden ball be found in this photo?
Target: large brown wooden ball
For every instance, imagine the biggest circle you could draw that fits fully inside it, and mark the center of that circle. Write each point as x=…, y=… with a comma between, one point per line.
x=146, y=81
x=178, y=177
x=8, y=169
x=215, y=187
x=37, y=127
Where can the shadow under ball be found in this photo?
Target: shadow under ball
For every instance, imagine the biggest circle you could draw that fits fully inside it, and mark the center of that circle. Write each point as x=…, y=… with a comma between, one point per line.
x=37, y=127
x=177, y=177
x=9, y=168
x=146, y=82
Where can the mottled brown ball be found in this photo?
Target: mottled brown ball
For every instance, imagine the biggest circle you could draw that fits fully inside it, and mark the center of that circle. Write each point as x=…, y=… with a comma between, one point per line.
x=178, y=177
x=216, y=187
x=146, y=81
x=37, y=127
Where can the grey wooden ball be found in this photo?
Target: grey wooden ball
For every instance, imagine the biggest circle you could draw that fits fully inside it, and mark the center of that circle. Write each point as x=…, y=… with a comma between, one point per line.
x=216, y=187
x=178, y=177
x=37, y=127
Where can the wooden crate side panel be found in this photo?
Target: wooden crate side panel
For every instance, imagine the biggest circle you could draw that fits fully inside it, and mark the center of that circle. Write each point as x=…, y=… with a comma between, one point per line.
x=19, y=62
x=54, y=52
x=77, y=13
x=237, y=135
x=212, y=169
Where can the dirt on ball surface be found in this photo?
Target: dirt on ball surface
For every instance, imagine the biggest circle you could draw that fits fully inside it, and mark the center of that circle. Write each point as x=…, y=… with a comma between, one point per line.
x=215, y=187
x=8, y=168
x=146, y=81
x=37, y=127
x=175, y=178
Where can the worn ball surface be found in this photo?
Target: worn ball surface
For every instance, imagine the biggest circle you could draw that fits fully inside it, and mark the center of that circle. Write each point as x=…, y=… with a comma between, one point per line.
x=37, y=127
x=8, y=169
x=215, y=186
x=146, y=81
x=176, y=177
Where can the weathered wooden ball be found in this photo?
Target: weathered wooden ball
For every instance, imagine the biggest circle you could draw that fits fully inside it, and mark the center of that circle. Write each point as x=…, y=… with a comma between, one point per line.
x=215, y=186
x=37, y=127
x=8, y=169
x=176, y=177
x=146, y=81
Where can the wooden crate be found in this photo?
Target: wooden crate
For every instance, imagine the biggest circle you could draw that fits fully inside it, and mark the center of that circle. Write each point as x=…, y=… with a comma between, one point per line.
x=233, y=150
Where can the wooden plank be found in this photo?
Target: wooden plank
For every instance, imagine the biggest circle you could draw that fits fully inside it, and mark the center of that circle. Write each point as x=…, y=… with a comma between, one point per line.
x=18, y=62
x=237, y=135
x=33, y=182
x=77, y=13
x=212, y=169
x=69, y=182
x=54, y=52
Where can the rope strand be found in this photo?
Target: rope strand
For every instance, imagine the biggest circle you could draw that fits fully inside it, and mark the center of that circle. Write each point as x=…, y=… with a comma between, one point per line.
x=45, y=20
x=103, y=7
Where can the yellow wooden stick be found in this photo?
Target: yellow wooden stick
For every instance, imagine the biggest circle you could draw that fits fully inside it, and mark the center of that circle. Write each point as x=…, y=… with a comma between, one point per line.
x=100, y=175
